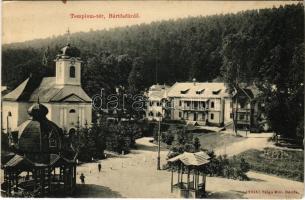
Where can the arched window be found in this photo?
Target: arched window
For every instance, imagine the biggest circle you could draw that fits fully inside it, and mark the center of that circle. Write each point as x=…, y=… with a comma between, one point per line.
x=72, y=111
x=52, y=140
x=72, y=72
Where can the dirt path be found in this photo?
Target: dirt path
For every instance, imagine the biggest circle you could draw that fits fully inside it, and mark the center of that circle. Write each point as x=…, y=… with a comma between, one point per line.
x=135, y=175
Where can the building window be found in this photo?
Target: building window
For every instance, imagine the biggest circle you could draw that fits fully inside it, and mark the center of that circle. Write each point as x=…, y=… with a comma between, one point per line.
x=151, y=114
x=72, y=111
x=231, y=115
x=150, y=103
x=212, y=116
x=180, y=103
x=212, y=104
x=72, y=72
x=180, y=114
x=159, y=114
x=241, y=116
x=52, y=141
x=158, y=103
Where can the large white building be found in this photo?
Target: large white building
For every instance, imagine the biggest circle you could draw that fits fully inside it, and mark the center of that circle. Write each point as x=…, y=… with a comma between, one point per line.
x=203, y=103
x=68, y=104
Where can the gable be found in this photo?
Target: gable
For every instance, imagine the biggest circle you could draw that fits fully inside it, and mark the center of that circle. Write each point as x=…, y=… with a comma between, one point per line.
x=72, y=98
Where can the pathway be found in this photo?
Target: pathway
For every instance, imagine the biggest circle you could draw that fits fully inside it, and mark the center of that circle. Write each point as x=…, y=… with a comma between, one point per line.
x=135, y=175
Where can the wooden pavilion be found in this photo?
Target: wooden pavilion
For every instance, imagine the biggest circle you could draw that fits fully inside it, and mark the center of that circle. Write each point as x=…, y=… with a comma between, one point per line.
x=39, y=167
x=189, y=164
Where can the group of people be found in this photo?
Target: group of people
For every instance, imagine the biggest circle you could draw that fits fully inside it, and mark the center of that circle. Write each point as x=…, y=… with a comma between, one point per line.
x=82, y=176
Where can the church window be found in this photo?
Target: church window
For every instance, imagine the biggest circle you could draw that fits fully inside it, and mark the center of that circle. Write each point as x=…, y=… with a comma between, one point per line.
x=72, y=72
x=72, y=111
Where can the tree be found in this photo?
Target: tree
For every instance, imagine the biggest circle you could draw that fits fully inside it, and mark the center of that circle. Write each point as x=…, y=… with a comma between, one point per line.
x=197, y=144
x=137, y=76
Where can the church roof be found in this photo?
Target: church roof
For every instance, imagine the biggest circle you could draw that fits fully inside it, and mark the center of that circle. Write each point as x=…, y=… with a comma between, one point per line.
x=69, y=51
x=47, y=91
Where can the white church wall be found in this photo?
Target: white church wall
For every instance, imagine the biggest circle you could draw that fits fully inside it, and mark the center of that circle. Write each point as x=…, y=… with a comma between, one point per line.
x=64, y=117
x=63, y=72
x=18, y=114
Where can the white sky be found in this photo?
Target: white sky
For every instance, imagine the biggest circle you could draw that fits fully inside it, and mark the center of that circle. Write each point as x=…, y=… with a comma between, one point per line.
x=28, y=20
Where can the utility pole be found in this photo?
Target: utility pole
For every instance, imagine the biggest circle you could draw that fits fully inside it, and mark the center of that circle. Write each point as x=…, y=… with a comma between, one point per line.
x=159, y=143
x=8, y=130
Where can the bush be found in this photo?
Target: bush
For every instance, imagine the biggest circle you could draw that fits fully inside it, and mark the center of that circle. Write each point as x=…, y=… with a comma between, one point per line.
x=228, y=168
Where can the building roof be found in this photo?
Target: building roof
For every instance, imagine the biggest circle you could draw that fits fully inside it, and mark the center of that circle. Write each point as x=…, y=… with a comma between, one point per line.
x=198, y=90
x=20, y=162
x=34, y=134
x=47, y=91
x=192, y=159
x=69, y=51
x=157, y=92
x=57, y=160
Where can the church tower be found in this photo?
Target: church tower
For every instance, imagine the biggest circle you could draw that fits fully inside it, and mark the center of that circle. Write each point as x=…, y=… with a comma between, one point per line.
x=68, y=66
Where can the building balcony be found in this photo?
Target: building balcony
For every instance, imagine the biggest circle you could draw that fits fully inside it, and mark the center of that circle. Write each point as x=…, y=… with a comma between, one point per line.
x=242, y=110
x=191, y=108
x=243, y=121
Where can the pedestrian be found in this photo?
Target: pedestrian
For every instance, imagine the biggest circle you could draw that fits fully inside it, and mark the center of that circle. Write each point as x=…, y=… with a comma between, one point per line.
x=82, y=178
x=99, y=167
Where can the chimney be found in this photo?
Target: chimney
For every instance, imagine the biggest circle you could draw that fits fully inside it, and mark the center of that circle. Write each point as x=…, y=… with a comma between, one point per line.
x=194, y=81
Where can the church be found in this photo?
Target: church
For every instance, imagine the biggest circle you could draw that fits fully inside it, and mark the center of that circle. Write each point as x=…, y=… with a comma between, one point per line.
x=68, y=104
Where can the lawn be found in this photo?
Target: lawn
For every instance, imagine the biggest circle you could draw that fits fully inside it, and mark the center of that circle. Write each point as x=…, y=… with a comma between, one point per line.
x=213, y=140
x=283, y=163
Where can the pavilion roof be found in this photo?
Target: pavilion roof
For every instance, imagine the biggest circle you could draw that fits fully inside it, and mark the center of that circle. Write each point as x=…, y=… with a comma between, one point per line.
x=20, y=162
x=57, y=160
x=192, y=159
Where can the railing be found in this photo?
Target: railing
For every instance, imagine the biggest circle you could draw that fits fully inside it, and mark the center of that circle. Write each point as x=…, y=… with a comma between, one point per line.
x=243, y=121
x=194, y=108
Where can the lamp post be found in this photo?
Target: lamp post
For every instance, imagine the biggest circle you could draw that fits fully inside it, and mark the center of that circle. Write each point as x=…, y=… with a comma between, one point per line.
x=159, y=141
x=9, y=114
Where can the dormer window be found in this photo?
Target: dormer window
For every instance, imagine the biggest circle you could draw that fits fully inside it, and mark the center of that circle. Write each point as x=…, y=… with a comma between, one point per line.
x=52, y=140
x=215, y=92
x=184, y=91
x=72, y=72
x=199, y=91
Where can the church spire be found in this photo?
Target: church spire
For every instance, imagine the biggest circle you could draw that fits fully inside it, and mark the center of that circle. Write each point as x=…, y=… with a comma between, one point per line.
x=68, y=36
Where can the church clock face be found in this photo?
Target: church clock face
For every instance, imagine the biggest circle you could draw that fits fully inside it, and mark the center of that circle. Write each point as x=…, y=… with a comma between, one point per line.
x=72, y=61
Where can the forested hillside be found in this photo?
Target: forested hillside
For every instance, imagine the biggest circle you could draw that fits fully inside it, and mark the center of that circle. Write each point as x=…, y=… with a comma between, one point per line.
x=262, y=46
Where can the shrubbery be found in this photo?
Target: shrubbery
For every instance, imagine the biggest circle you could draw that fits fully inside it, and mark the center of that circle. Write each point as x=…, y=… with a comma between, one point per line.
x=235, y=168
x=229, y=168
x=289, y=164
x=114, y=136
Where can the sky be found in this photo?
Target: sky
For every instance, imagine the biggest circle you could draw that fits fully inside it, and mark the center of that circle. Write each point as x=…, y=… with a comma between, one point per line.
x=27, y=20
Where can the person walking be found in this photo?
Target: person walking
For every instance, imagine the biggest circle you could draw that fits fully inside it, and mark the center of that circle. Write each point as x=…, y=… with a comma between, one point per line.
x=99, y=166
x=82, y=178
